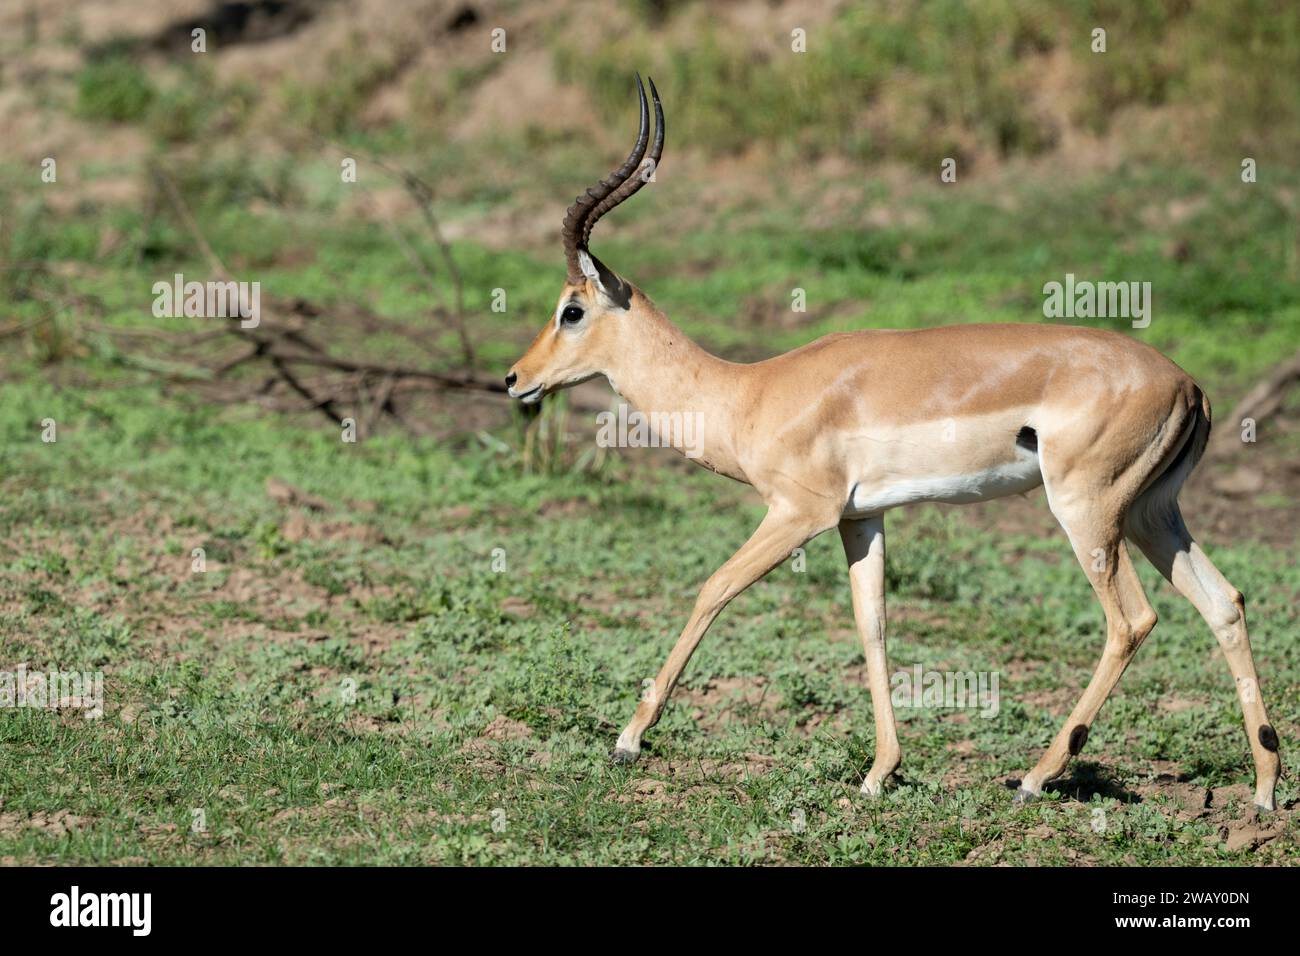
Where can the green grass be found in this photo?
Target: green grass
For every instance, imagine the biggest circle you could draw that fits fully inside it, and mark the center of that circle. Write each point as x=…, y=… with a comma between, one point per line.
x=363, y=684
x=226, y=691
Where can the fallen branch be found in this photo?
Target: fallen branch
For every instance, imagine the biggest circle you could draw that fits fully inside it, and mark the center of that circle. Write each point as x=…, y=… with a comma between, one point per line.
x=422, y=193
x=325, y=405
x=1260, y=402
x=464, y=381
x=287, y=347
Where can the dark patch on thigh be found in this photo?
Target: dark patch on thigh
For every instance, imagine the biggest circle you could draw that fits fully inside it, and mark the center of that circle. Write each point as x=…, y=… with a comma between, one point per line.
x=1078, y=737
x=1268, y=737
x=1027, y=439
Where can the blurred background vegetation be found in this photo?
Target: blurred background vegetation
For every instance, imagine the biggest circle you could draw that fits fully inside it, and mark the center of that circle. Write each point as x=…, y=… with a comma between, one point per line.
x=816, y=170
x=836, y=148
x=474, y=123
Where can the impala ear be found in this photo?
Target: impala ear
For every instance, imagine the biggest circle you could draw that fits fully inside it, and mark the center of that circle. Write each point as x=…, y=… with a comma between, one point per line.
x=609, y=285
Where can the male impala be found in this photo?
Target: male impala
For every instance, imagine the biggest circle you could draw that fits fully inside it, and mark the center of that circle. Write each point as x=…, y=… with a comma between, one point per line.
x=839, y=431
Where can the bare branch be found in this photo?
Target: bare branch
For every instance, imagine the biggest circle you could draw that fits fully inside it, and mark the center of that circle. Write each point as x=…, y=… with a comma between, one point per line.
x=422, y=193
x=287, y=347
x=1262, y=400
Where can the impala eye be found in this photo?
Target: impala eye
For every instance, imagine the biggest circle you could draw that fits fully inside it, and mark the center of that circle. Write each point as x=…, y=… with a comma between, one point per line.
x=571, y=315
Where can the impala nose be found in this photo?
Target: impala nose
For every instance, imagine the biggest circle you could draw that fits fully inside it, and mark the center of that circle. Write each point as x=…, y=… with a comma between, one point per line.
x=511, y=379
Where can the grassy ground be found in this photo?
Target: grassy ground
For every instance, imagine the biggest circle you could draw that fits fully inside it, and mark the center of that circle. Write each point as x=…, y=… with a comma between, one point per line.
x=366, y=677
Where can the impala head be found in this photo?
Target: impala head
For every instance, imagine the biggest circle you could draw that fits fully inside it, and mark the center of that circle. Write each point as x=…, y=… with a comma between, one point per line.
x=586, y=329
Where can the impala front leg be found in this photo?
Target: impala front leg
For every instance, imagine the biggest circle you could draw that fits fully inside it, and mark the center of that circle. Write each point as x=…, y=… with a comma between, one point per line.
x=864, y=546
x=784, y=528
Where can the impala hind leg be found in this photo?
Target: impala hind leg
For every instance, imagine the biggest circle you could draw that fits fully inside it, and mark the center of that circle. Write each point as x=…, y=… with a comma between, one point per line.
x=783, y=529
x=1161, y=534
x=1099, y=545
x=864, y=546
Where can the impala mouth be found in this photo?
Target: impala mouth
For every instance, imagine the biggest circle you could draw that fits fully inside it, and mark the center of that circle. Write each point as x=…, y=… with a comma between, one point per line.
x=530, y=397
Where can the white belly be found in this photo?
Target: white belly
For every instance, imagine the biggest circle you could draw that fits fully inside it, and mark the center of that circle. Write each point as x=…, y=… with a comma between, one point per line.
x=1008, y=478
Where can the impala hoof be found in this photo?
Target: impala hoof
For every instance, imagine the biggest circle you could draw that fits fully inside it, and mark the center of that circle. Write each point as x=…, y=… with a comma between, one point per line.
x=621, y=757
x=1263, y=810
x=1024, y=796
x=872, y=789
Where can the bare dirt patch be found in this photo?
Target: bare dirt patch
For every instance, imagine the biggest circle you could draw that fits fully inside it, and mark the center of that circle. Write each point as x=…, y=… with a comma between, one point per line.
x=55, y=823
x=721, y=700
x=675, y=782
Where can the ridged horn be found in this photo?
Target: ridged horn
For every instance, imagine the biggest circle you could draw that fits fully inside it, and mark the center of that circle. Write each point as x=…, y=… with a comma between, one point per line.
x=609, y=192
x=641, y=176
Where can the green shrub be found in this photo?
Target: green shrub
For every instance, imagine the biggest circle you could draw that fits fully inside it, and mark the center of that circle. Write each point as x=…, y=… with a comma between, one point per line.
x=117, y=90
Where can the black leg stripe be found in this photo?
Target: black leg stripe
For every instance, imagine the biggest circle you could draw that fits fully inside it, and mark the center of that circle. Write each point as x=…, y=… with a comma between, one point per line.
x=1078, y=737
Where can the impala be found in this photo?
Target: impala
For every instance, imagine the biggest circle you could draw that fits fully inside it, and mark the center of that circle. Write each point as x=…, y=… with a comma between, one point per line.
x=838, y=432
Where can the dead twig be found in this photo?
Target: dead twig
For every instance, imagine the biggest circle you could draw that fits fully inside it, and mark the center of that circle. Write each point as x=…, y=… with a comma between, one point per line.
x=280, y=340
x=1261, y=401
x=325, y=405
x=422, y=193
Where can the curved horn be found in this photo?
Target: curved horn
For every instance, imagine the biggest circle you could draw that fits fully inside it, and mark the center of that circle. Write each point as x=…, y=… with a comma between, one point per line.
x=575, y=231
x=635, y=181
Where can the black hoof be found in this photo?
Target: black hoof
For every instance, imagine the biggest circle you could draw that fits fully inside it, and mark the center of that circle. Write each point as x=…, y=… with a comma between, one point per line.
x=621, y=757
x=1024, y=796
x=1262, y=810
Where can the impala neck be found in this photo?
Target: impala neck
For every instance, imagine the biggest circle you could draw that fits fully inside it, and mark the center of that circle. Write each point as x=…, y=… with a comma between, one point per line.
x=660, y=371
